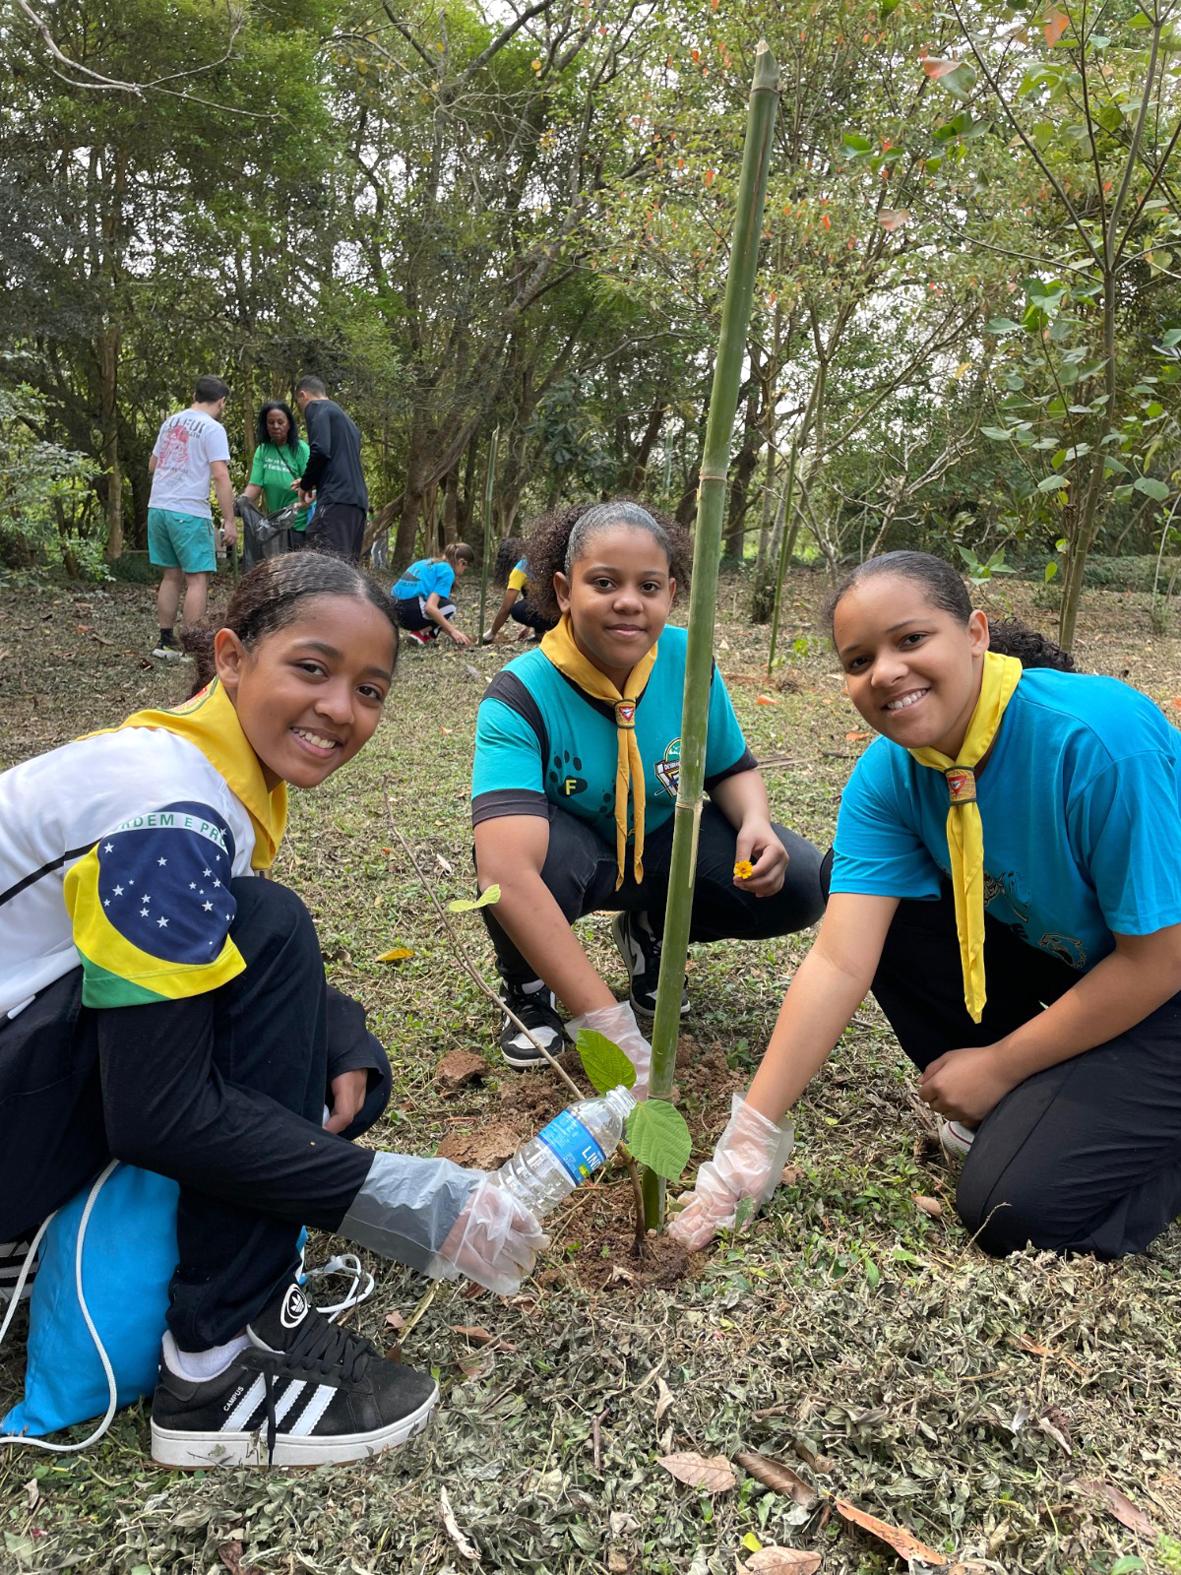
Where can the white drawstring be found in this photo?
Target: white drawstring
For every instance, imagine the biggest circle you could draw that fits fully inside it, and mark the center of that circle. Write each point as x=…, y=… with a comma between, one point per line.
x=108, y=1371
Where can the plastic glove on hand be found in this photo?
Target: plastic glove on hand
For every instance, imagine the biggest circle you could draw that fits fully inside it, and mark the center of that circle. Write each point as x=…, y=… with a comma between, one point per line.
x=495, y=1241
x=747, y=1163
x=618, y=1024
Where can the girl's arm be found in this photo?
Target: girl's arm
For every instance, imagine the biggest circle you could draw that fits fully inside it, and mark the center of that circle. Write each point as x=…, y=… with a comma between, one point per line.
x=828, y=987
x=510, y=852
x=1142, y=973
x=742, y=798
x=507, y=604
x=252, y=493
x=432, y=611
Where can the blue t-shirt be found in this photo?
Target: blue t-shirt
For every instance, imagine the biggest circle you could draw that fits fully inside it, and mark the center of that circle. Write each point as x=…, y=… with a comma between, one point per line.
x=423, y=578
x=1080, y=800
x=541, y=741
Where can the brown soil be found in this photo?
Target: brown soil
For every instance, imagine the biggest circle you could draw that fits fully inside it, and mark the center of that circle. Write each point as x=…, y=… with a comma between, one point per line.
x=595, y=1230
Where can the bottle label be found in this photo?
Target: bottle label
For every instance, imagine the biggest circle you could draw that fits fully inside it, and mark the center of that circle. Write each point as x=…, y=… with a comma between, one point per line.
x=572, y=1146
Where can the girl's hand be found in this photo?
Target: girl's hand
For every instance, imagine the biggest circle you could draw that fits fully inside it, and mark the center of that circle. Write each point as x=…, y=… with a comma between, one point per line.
x=965, y=1085
x=348, y=1095
x=459, y=637
x=748, y=1163
x=495, y=1240
x=759, y=846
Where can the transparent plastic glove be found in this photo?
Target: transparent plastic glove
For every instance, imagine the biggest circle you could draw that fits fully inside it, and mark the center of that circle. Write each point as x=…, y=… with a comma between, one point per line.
x=495, y=1241
x=618, y=1023
x=747, y=1163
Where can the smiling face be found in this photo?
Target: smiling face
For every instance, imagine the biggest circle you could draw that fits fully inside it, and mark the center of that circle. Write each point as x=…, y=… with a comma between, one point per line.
x=912, y=669
x=278, y=427
x=618, y=594
x=310, y=694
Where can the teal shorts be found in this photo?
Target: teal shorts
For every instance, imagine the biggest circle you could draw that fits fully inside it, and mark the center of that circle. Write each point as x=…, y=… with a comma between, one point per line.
x=181, y=541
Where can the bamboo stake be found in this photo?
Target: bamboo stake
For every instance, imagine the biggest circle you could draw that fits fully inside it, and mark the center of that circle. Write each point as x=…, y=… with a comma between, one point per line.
x=489, y=532
x=786, y=540
x=711, y=502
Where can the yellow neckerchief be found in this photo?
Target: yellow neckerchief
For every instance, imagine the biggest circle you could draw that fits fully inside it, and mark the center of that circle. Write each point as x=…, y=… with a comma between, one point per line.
x=965, y=829
x=559, y=646
x=210, y=722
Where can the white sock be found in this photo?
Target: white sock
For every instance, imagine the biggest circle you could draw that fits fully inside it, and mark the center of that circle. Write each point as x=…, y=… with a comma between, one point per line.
x=196, y=1366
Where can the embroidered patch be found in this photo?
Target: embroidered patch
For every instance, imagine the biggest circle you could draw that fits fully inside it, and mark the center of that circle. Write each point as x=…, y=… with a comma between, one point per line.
x=668, y=769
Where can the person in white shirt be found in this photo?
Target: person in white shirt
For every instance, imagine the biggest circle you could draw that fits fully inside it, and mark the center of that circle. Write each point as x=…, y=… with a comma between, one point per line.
x=191, y=454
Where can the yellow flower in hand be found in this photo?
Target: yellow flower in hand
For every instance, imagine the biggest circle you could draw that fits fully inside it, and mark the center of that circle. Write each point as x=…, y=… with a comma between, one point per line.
x=743, y=870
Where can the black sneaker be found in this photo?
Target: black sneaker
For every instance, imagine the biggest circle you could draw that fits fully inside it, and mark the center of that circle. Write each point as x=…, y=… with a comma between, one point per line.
x=640, y=950
x=13, y=1255
x=538, y=1010
x=303, y=1393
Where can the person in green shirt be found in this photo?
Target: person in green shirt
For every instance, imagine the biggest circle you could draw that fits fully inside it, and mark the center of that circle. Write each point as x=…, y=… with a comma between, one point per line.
x=280, y=457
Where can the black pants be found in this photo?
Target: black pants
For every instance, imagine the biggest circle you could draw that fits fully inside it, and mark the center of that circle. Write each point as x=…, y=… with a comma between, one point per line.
x=1084, y=1156
x=223, y=1092
x=337, y=528
x=580, y=869
x=524, y=612
x=411, y=614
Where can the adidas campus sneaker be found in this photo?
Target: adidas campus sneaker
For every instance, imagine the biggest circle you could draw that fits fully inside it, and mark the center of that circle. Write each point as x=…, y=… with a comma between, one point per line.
x=13, y=1256
x=302, y=1393
x=640, y=950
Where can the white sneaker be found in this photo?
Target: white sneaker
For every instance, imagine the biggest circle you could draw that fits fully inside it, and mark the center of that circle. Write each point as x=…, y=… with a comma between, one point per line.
x=169, y=653
x=955, y=1139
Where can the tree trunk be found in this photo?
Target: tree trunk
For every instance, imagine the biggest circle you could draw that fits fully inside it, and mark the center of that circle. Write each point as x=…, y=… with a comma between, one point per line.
x=108, y=398
x=741, y=473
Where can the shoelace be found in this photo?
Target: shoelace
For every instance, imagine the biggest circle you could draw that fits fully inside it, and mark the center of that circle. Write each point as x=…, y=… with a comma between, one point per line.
x=320, y=1344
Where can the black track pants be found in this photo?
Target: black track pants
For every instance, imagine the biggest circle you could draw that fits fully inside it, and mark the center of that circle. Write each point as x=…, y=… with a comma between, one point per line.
x=580, y=869
x=223, y=1092
x=1084, y=1156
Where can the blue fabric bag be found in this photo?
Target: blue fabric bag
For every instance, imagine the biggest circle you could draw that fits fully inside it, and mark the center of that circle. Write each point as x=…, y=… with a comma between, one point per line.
x=128, y=1258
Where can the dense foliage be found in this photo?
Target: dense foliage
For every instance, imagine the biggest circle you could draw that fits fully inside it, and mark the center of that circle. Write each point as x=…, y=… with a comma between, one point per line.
x=465, y=215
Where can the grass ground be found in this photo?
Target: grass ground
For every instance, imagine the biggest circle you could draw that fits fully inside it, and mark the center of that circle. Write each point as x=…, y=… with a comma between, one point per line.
x=1014, y=1415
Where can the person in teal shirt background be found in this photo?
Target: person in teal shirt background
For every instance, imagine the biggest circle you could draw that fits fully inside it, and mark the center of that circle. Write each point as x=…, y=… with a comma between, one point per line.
x=279, y=461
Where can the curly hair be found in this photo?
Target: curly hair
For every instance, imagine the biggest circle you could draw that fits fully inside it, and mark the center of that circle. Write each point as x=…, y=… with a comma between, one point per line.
x=1011, y=637
x=555, y=541
x=269, y=596
x=261, y=435
x=508, y=555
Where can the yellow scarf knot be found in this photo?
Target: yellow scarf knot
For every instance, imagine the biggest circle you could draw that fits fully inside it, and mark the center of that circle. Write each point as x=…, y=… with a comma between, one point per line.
x=560, y=648
x=965, y=829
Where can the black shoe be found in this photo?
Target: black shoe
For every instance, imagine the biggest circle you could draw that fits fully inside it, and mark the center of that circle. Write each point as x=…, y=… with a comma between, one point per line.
x=302, y=1393
x=537, y=1009
x=640, y=950
x=13, y=1256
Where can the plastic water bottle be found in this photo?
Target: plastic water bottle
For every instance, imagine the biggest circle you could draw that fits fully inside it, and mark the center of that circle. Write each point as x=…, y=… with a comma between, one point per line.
x=570, y=1149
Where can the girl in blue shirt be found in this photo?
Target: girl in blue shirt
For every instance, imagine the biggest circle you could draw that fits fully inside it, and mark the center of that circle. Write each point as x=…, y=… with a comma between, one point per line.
x=575, y=780
x=423, y=595
x=1006, y=878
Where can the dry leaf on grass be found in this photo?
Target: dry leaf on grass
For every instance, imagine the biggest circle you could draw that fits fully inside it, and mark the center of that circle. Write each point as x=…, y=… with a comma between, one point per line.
x=395, y=954
x=664, y=1400
x=474, y=1332
x=773, y=1474
x=395, y=1319
x=1119, y=1505
x=712, y=1473
x=230, y=1554
x=929, y=1206
x=465, y=1548
x=780, y=1561
x=904, y=1544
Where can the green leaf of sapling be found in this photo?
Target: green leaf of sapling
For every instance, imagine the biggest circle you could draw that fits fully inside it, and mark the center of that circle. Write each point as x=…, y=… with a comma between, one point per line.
x=487, y=898
x=1151, y=488
x=659, y=1138
x=604, y=1063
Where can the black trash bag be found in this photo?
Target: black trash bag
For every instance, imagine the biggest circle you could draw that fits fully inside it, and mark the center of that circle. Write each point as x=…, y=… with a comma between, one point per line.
x=265, y=535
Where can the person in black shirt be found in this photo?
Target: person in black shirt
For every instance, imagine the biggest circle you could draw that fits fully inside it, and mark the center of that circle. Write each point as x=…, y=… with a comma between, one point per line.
x=333, y=474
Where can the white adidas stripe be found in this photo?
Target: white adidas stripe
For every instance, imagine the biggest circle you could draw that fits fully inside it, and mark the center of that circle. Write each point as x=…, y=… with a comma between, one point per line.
x=290, y=1395
x=245, y=1408
x=313, y=1411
